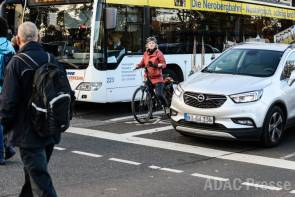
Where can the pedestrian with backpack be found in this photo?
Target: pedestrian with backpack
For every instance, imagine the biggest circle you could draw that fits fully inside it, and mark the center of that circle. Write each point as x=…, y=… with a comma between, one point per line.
x=6, y=53
x=35, y=89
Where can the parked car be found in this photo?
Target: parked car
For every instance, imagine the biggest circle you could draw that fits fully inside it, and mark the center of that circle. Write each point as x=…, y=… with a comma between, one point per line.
x=247, y=93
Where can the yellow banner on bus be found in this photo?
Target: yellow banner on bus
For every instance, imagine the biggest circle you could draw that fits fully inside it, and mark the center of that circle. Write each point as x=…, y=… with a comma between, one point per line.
x=129, y=2
x=216, y=6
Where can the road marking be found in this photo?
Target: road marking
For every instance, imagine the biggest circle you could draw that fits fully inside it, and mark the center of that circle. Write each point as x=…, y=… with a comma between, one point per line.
x=87, y=123
x=87, y=154
x=157, y=121
x=196, y=150
x=129, y=117
x=171, y=170
x=120, y=119
x=59, y=148
x=292, y=192
x=148, y=131
x=165, y=169
x=155, y=167
x=210, y=177
x=125, y=161
x=262, y=186
x=288, y=156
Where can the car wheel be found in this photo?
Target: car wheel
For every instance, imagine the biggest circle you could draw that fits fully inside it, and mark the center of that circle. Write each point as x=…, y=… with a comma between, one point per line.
x=273, y=128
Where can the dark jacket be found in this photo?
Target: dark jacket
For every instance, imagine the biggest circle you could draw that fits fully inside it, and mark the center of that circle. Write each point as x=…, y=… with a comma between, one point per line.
x=16, y=93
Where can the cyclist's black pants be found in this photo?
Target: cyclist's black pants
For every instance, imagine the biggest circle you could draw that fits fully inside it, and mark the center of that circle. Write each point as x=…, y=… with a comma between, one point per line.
x=159, y=87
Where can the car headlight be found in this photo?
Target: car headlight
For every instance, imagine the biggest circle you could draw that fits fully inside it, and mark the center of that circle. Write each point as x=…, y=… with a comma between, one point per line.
x=247, y=96
x=178, y=90
x=89, y=86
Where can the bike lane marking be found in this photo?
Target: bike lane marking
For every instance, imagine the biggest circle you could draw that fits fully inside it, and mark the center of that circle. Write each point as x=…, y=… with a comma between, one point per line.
x=171, y=170
x=196, y=150
x=86, y=154
x=125, y=161
x=59, y=148
x=210, y=177
x=288, y=156
x=142, y=132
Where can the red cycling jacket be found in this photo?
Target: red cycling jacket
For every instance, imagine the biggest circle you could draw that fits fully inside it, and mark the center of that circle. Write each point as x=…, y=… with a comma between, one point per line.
x=155, y=74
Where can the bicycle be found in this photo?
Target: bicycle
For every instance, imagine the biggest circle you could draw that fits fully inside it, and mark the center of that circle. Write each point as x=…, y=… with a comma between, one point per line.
x=145, y=101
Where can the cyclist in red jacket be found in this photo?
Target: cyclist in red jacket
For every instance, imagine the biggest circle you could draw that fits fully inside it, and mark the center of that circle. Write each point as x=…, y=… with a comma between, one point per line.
x=153, y=59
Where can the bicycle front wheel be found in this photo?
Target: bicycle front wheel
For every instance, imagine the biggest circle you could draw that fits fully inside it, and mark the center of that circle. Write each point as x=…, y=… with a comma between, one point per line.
x=142, y=105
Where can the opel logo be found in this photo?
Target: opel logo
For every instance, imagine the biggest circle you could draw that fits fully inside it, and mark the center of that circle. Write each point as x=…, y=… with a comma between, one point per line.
x=201, y=98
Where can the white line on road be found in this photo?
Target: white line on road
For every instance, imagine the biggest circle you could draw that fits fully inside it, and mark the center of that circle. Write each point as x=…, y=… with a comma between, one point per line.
x=120, y=119
x=125, y=161
x=165, y=169
x=129, y=117
x=262, y=186
x=288, y=156
x=148, y=131
x=155, y=167
x=87, y=154
x=292, y=192
x=171, y=170
x=210, y=177
x=59, y=148
x=196, y=150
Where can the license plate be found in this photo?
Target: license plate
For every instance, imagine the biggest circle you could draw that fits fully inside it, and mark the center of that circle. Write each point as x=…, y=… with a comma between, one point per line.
x=199, y=118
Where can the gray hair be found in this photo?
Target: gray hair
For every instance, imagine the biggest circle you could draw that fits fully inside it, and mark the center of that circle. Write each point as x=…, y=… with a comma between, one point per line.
x=28, y=32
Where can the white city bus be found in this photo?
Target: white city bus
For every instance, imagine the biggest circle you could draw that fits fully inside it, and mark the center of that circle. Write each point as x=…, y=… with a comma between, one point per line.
x=99, y=42
x=76, y=33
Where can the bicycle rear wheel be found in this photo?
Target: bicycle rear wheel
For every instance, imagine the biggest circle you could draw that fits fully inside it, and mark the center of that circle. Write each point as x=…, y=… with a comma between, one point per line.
x=142, y=105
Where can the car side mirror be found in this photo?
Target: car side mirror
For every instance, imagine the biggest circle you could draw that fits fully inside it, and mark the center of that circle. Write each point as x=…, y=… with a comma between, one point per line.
x=292, y=78
x=213, y=56
x=111, y=18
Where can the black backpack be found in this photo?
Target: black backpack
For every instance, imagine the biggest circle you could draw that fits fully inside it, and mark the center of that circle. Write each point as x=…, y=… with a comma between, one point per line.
x=51, y=101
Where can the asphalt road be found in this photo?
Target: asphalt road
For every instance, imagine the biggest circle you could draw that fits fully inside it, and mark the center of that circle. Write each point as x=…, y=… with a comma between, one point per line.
x=105, y=153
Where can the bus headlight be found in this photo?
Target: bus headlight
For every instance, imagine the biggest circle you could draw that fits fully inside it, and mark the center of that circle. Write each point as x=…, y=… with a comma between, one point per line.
x=89, y=86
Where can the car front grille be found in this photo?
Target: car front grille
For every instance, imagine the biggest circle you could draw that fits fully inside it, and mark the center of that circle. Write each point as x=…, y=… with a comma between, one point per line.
x=200, y=100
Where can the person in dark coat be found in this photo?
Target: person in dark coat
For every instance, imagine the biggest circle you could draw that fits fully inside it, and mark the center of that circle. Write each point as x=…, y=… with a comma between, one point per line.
x=35, y=151
x=6, y=52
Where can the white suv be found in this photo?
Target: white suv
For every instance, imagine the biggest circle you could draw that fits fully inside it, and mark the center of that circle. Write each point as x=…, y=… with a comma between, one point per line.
x=246, y=93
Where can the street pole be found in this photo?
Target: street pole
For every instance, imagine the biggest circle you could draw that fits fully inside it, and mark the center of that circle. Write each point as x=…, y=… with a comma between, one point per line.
x=193, y=65
x=24, y=9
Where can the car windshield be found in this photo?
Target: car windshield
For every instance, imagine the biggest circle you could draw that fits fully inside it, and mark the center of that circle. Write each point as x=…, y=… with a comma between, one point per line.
x=253, y=62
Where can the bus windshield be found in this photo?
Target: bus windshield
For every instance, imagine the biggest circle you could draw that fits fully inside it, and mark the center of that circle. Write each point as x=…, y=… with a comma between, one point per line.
x=65, y=31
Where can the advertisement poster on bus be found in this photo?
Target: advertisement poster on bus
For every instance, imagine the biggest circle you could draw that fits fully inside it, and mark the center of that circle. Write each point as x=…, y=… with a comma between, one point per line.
x=274, y=2
x=232, y=7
